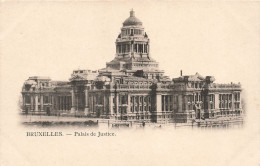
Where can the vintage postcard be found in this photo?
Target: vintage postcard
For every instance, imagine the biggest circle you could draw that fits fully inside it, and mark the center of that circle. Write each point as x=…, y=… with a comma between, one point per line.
x=130, y=83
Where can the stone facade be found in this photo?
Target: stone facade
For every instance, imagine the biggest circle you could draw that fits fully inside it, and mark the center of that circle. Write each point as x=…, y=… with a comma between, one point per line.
x=132, y=88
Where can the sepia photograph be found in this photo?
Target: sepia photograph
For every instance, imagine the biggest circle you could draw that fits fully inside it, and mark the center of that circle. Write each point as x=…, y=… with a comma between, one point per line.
x=130, y=83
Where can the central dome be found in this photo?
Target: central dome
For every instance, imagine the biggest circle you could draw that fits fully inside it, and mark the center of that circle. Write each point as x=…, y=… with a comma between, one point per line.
x=132, y=20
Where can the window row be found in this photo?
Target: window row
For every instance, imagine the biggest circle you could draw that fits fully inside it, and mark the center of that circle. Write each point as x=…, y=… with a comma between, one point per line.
x=167, y=103
x=132, y=32
x=225, y=97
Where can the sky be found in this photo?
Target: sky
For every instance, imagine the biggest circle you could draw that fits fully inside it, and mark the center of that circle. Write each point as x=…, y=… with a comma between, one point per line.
x=54, y=38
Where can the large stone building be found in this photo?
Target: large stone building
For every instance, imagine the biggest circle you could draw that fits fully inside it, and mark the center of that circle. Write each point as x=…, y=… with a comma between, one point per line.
x=132, y=87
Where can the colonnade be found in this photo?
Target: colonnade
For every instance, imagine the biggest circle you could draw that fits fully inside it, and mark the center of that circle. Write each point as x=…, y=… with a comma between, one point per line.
x=135, y=47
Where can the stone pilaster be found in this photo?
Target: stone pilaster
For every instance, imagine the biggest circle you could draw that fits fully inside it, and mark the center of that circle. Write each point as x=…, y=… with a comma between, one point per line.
x=185, y=101
x=158, y=102
x=216, y=101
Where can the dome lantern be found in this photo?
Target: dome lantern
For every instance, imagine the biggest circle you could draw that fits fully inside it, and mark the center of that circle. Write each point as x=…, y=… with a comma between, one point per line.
x=132, y=20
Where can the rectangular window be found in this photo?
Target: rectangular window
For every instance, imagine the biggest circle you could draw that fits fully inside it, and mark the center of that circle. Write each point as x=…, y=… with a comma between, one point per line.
x=230, y=97
x=27, y=99
x=230, y=105
x=136, y=99
x=135, y=47
x=119, y=48
x=46, y=99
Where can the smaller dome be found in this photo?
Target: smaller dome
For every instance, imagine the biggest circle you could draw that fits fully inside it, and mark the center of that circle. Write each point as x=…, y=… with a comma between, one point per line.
x=132, y=20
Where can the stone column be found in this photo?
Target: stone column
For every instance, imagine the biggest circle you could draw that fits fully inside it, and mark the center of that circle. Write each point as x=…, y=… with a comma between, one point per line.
x=23, y=102
x=41, y=102
x=36, y=103
x=31, y=102
x=52, y=102
x=111, y=111
x=65, y=103
x=117, y=104
x=134, y=103
x=128, y=104
x=72, y=101
x=232, y=101
x=169, y=103
x=86, y=112
x=104, y=106
x=62, y=102
x=58, y=103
